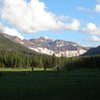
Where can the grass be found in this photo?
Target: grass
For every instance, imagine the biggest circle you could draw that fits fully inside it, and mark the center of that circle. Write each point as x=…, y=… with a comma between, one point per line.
x=50, y=85
x=23, y=69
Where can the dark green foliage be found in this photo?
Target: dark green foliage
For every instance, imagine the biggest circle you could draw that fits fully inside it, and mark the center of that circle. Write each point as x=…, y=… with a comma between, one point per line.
x=92, y=62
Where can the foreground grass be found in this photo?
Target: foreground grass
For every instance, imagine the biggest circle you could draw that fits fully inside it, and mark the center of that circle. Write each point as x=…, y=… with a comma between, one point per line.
x=50, y=85
x=23, y=69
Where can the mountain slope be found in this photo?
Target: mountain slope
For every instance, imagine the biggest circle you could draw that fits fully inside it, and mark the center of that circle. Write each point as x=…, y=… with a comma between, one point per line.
x=46, y=46
x=57, y=47
x=93, y=51
x=10, y=45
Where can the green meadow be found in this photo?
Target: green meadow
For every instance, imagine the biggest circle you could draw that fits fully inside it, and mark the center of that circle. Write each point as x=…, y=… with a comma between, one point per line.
x=25, y=84
x=24, y=69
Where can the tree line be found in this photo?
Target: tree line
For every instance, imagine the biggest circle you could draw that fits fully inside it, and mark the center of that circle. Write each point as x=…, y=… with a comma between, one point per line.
x=17, y=59
x=25, y=60
x=83, y=62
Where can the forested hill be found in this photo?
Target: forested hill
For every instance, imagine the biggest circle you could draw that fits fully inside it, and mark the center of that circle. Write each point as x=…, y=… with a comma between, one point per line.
x=93, y=51
x=7, y=44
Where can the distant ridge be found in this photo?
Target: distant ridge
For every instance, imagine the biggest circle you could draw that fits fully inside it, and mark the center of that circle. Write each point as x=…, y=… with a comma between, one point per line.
x=93, y=51
x=44, y=46
x=7, y=43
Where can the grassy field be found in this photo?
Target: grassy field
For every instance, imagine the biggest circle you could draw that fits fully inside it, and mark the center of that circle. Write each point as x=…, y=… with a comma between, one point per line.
x=50, y=85
x=23, y=69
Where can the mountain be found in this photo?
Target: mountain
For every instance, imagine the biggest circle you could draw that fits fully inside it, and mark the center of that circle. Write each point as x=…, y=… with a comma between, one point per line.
x=93, y=51
x=48, y=46
x=57, y=47
x=8, y=43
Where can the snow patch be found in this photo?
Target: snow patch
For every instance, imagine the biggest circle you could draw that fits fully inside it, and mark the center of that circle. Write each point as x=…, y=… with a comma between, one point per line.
x=67, y=53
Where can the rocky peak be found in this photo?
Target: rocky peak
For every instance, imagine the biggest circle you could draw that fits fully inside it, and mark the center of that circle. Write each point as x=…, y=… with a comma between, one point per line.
x=50, y=47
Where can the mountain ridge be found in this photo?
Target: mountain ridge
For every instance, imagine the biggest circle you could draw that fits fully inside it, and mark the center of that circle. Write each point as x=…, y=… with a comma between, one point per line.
x=57, y=47
x=8, y=44
x=48, y=46
x=93, y=51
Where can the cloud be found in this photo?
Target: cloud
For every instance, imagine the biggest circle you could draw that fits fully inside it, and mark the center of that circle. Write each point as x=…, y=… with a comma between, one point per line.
x=75, y=25
x=33, y=17
x=10, y=31
x=97, y=8
x=94, y=39
x=84, y=9
x=62, y=18
x=98, y=1
x=92, y=29
x=81, y=8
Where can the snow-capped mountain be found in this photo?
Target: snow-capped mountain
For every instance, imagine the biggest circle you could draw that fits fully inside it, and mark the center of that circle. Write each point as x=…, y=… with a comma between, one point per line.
x=50, y=47
x=57, y=47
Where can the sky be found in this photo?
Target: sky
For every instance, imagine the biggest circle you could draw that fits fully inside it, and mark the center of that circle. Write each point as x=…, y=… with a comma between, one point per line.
x=70, y=20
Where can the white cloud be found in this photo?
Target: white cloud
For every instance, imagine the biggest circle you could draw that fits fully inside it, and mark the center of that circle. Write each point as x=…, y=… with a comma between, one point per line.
x=33, y=17
x=84, y=9
x=81, y=8
x=10, y=31
x=97, y=8
x=94, y=39
x=92, y=29
x=74, y=25
x=62, y=18
x=94, y=32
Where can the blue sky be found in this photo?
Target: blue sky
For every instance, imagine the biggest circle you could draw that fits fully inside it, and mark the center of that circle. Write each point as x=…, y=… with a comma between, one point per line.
x=70, y=20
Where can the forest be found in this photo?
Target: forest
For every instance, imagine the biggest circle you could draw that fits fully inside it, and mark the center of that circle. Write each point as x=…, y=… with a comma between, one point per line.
x=25, y=60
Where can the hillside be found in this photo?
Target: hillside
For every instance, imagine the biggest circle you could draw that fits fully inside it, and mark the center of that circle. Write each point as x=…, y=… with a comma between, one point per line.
x=43, y=45
x=93, y=51
x=7, y=44
x=48, y=46
x=57, y=47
